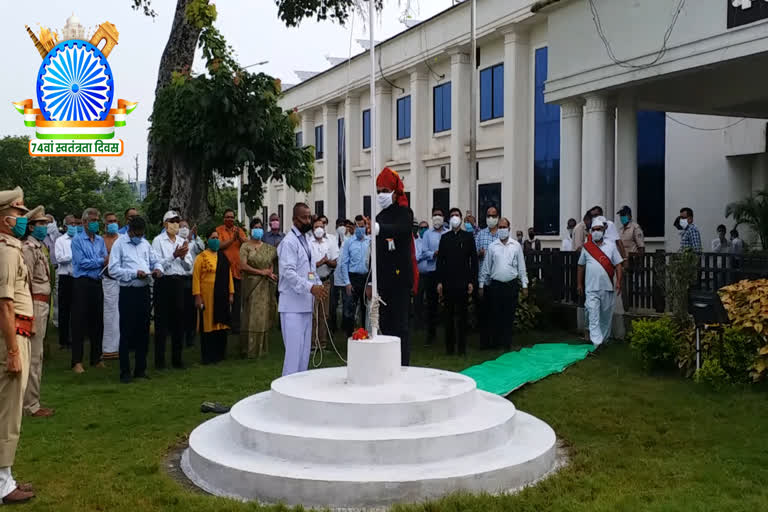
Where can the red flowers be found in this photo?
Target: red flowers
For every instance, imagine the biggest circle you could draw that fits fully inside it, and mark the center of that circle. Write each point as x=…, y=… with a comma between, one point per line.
x=360, y=334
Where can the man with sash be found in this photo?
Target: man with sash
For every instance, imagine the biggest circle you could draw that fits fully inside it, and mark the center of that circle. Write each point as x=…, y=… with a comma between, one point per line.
x=599, y=280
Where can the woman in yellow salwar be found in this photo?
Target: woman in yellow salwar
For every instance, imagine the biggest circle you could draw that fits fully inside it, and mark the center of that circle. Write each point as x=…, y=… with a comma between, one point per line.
x=214, y=291
x=257, y=264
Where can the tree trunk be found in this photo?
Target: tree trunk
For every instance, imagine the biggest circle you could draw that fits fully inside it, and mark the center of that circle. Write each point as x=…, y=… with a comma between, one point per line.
x=179, y=55
x=189, y=191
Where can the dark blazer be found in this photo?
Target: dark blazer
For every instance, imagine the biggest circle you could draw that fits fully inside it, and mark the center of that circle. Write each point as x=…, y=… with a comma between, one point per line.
x=457, y=260
x=394, y=267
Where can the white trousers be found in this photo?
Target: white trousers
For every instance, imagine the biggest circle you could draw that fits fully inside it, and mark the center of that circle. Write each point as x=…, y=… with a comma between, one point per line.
x=599, y=307
x=7, y=483
x=297, y=338
x=110, y=342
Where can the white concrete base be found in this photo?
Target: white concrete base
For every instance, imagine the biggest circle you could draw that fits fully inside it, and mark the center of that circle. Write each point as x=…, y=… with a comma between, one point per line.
x=372, y=362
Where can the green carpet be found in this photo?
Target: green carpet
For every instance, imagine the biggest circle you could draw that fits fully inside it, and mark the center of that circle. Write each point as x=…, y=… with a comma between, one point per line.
x=514, y=369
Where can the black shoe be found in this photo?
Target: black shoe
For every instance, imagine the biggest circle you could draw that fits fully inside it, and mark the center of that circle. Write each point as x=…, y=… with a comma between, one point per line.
x=214, y=408
x=125, y=378
x=142, y=376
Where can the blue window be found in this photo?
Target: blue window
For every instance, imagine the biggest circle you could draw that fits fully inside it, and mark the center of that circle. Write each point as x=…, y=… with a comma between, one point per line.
x=651, y=152
x=319, y=142
x=441, y=103
x=366, y=129
x=404, y=118
x=546, y=154
x=492, y=93
x=299, y=139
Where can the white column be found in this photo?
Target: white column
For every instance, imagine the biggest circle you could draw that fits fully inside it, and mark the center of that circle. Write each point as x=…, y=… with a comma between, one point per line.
x=384, y=127
x=330, y=149
x=420, y=116
x=352, y=145
x=308, y=134
x=571, y=118
x=594, y=182
x=610, y=162
x=517, y=181
x=460, y=78
x=626, y=155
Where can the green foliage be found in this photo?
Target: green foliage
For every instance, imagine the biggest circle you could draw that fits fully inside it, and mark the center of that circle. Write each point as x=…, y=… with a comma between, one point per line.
x=747, y=305
x=656, y=341
x=292, y=12
x=712, y=373
x=681, y=273
x=729, y=356
x=752, y=211
x=528, y=310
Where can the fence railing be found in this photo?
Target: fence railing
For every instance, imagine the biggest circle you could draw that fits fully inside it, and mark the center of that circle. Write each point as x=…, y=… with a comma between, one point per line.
x=645, y=275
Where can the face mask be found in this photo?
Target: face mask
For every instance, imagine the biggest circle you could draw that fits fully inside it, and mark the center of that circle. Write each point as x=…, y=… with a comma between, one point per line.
x=492, y=222
x=469, y=227
x=319, y=233
x=20, y=229
x=683, y=223
x=52, y=228
x=80, y=229
x=184, y=232
x=112, y=228
x=257, y=233
x=172, y=228
x=624, y=220
x=422, y=231
x=359, y=233
x=520, y=238
x=455, y=222
x=72, y=231
x=274, y=225
x=213, y=244
x=531, y=235
x=93, y=227
x=384, y=200
x=305, y=228
x=503, y=233
x=341, y=231
x=40, y=232
x=136, y=240
x=597, y=236
x=437, y=221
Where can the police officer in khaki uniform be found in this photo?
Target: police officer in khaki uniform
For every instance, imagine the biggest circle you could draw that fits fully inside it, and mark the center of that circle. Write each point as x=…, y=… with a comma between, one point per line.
x=631, y=233
x=16, y=326
x=40, y=273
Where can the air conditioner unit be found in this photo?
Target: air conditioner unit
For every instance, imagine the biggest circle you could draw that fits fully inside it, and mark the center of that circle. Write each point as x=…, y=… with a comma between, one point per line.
x=445, y=173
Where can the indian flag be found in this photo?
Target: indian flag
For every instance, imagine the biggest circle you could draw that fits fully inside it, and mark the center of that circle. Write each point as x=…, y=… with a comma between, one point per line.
x=68, y=132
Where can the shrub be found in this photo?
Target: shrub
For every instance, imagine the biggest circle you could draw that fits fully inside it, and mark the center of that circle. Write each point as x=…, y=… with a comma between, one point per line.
x=681, y=273
x=527, y=313
x=711, y=373
x=656, y=341
x=733, y=352
x=747, y=305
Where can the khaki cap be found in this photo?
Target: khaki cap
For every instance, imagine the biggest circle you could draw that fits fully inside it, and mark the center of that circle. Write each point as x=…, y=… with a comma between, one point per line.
x=37, y=214
x=13, y=199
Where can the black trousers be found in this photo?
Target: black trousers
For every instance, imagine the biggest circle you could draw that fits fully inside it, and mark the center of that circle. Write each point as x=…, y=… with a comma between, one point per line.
x=169, y=318
x=502, y=299
x=427, y=304
x=135, y=308
x=65, y=310
x=455, y=320
x=236, y=306
x=351, y=303
x=87, y=318
x=190, y=318
x=393, y=319
x=213, y=346
x=337, y=293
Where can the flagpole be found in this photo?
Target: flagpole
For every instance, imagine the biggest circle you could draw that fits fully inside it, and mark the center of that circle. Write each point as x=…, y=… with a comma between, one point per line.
x=374, y=205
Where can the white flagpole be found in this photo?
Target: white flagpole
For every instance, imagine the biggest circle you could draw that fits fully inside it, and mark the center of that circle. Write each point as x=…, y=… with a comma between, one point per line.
x=374, y=205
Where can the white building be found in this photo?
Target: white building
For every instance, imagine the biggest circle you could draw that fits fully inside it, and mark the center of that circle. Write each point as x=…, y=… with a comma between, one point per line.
x=561, y=125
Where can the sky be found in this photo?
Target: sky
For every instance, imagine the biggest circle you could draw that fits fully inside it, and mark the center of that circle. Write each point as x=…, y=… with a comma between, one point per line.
x=250, y=26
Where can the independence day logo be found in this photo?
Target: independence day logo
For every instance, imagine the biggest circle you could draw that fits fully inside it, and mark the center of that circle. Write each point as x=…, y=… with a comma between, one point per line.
x=75, y=91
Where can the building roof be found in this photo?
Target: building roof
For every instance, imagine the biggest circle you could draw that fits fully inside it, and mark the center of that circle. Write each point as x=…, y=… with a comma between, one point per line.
x=541, y=4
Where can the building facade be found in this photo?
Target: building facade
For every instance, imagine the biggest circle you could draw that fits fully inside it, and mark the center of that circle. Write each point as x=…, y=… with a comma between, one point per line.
x=560, y=126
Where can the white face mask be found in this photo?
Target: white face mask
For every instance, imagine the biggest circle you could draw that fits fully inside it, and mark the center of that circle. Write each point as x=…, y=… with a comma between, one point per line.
x=455, y=222
x=503, y=233
x=597, y=236
x=492, y=222
x=341, y=231
x=384, y=200
x=184, y=232
x=437, y=221
x=683, y=223
x=319, y=232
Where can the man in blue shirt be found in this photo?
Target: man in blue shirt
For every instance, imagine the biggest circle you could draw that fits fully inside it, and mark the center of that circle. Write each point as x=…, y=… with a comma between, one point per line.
x=354, y=274
x=89, y=257
x=426, y=256
x=131, y=262
x=690, y=238
x=130, y=214
x=483, y=240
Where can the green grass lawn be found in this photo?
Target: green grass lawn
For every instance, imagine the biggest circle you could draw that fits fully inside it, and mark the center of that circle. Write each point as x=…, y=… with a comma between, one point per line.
x=636, y=442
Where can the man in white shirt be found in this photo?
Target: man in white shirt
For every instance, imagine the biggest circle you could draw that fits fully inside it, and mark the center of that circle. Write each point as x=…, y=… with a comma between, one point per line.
x=502, y=272
x=131, y=262
x=567, y=243
x=64, y=280
x=325, y=252
x=599, y=268
x=196, y=246
x=173, y=253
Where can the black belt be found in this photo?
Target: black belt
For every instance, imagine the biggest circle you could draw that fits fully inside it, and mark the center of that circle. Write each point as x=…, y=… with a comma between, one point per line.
x=174, y=278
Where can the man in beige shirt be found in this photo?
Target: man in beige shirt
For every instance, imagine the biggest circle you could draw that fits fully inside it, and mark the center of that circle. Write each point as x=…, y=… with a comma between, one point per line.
x=630, y=232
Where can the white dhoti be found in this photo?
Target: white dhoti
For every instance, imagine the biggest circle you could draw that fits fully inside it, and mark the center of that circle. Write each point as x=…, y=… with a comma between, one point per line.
x=297, y=338
x=599, y=312
x=110, y=342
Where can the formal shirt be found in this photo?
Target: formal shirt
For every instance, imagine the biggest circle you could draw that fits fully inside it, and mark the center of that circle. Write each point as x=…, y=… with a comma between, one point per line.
x=50, y=243
x=233, y=251
x=172, y=266
x=457, y=263
x=326, y=247
x=533, y=244
x=354, y=258
x=196, y=246
x=566, y=245
x=127, y=259
x=484, y=239
x=426, y=247
x=632, y=237
x=596, y=278
x=273, y=239
x=723, y=246
x=690, y=238
x=38, y=266
x=505, y=263
x=63, y=252
x=88, y=256
x=579, y=236
x=123, y=230
x=737, y=246
x=14, y=277
x=297, y=274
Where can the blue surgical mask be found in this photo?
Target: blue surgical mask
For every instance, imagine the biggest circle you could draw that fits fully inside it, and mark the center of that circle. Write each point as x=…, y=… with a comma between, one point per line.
x=40, y=232
x=360, y=233
x=214, y=244
x=112, y=228
x=469, y=227
x=136, y=240
x=72, y=231
x=624, y=219
x=257, y=233
x=93, y=227
x=80, y=229
x=422, y=231
x=503, y=233
x=20, y=229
